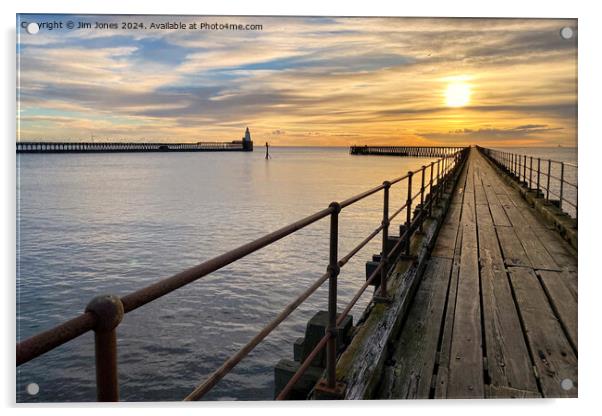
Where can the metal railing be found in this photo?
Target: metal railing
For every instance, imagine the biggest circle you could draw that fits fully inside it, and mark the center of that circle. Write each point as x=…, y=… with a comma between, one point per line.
x=104, y=313
x=546, y=176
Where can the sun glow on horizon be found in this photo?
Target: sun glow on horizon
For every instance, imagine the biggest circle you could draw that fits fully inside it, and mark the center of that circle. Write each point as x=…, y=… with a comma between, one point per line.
x=457, y=94
x=303, y=81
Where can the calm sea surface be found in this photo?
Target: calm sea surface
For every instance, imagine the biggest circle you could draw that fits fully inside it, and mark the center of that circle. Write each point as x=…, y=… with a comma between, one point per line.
x=93, y=224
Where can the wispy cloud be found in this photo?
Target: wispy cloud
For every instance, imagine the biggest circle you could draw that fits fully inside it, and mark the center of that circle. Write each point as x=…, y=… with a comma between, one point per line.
x=302, y=81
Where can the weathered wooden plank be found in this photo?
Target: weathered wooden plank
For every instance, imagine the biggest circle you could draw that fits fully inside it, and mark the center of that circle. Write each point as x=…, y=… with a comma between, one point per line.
x=510, y=393
x=551, y=350
x=470, y=174
x=446, y=241
x=499, y=216
x=453, y=213
x=503, y=197
x=521, y=220
x=492, y=198
x=515, y=216
x=416, y=349
x=466, y=365
x=480, y=197
x=569, y=278
x=536, y=251
x=512, y=249
x=483, y=215
x=530, y=215
x=468, y=209
x=563, y=254
x=442, y=378
x=563, y=297
x=508, y=363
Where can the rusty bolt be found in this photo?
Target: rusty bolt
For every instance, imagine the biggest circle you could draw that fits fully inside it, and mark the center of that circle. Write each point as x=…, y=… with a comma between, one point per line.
x=108, y=310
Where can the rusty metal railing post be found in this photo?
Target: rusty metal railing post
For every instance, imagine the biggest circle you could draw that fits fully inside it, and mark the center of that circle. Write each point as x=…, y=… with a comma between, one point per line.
x=525, y=168
x=409, y=212
x=548, y=184
x=561, y=184
x=431, y=194
x=333, y=270
x=530, y=171
x=438, y=180
x=108, y=311
x=384, y=255
x=422, y=211
x=538, y=174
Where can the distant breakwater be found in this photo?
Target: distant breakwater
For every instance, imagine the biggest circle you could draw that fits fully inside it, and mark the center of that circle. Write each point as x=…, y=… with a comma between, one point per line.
x=124, y=147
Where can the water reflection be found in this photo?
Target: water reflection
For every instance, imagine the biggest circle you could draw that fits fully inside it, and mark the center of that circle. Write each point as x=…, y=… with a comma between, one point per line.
x=112, y=223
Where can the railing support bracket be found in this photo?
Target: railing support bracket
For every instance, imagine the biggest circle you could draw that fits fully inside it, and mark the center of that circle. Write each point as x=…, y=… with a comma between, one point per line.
x=323, y=392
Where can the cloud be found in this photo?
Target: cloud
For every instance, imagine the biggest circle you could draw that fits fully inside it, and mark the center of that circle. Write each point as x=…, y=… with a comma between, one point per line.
x=340, y=79
x=526, y=133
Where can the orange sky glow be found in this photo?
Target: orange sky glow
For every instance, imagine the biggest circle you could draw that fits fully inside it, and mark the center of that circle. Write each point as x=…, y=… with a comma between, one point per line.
x=305, y=82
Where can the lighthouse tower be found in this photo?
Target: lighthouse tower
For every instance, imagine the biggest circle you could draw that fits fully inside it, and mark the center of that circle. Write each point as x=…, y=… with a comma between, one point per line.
x=247, y=143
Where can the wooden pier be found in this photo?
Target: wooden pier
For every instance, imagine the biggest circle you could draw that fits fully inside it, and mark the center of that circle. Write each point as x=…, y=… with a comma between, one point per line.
x=495, y=313
x=415, y=151
x=125, y=147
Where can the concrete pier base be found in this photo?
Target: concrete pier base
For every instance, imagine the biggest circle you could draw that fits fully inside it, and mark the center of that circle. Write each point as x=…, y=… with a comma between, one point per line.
x=285, y=369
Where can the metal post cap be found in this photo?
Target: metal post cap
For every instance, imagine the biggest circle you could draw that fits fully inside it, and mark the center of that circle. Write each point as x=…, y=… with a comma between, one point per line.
x=108, y=310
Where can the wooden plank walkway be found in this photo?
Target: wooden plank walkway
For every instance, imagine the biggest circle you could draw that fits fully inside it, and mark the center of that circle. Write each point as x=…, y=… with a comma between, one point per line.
x=495, y=315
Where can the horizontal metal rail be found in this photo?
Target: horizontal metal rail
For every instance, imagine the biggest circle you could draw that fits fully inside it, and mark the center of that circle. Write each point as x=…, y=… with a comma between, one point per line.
x=104, y=313
x=44, y=342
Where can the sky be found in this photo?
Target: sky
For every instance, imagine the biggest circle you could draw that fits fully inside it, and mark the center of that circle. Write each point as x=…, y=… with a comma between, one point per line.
x=299, y=81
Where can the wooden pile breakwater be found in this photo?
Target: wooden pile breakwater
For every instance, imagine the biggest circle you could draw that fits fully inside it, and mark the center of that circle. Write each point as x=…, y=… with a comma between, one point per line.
x=131, y=147
x=414, y=151
x=428, y=190
x=245, y=144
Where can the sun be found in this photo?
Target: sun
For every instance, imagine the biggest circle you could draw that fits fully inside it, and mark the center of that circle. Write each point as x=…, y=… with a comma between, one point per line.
x=457, y=94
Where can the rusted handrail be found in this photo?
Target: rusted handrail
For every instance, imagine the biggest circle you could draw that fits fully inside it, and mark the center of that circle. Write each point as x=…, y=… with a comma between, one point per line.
x=104, y=313
x=52, y=338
